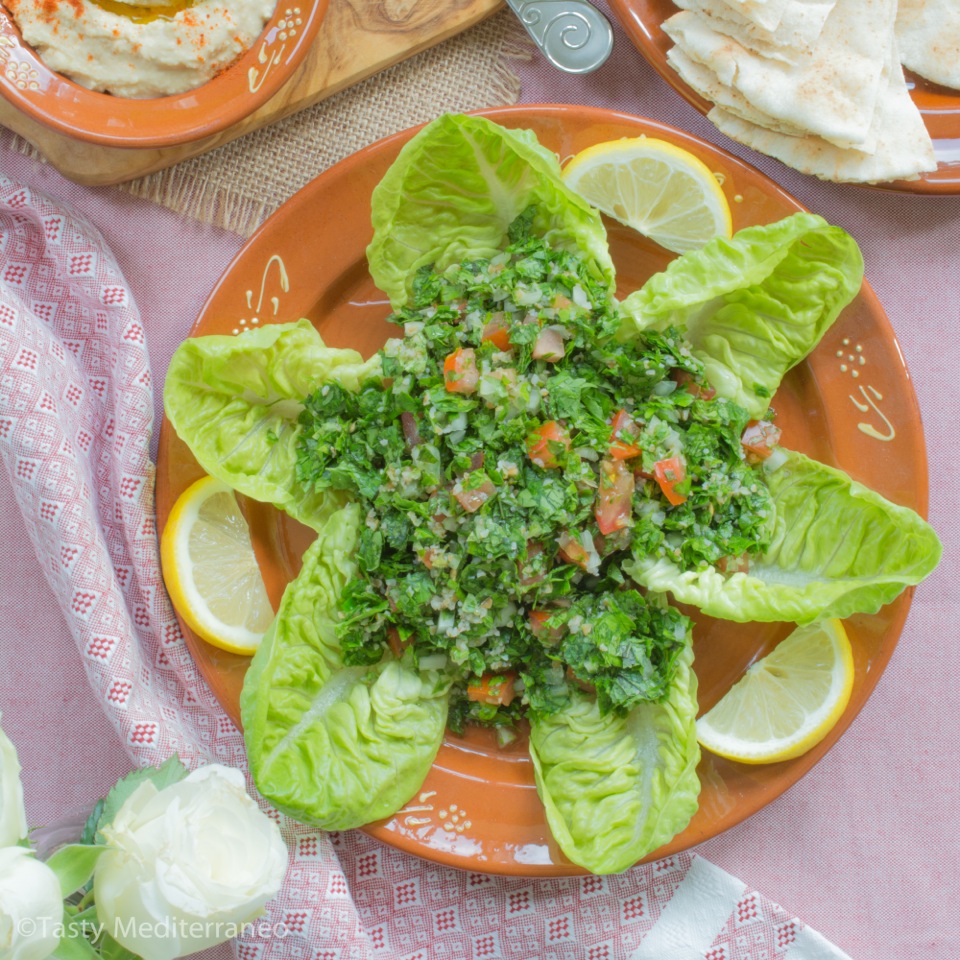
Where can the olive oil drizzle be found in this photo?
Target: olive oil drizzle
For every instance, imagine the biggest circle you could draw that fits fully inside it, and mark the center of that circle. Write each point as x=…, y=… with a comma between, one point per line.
x=144, y=13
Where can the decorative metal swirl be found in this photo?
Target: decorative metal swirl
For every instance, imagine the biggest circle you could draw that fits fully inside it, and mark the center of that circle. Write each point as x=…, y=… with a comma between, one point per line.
x=572, y=34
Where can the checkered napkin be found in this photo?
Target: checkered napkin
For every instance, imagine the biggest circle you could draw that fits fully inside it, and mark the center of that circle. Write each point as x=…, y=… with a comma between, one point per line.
x=76, y=416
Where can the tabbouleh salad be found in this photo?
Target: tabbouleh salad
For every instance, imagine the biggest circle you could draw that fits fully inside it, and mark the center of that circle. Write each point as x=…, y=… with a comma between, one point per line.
x=512, y=456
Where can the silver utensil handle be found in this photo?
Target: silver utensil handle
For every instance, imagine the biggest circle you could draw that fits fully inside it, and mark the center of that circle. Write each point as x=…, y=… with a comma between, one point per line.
x=572, y=34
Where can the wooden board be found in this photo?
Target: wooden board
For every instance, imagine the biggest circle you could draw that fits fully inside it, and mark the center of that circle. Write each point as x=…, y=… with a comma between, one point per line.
x=357, y=39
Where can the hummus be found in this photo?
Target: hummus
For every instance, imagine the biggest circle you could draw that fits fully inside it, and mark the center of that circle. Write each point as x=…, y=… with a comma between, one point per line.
x=149, y=49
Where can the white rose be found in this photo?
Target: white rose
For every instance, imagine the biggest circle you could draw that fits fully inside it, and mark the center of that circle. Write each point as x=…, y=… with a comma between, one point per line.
x=31, y=906
x=13, y=817
x=188, y=865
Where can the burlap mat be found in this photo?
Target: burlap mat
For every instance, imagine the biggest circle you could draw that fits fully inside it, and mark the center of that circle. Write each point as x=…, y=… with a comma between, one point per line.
x=238, y=185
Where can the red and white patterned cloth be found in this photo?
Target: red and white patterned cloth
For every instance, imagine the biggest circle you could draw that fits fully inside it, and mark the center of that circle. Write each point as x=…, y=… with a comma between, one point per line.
x=76, y=421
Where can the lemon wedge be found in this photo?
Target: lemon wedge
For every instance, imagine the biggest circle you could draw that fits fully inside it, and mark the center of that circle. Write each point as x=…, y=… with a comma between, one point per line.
x=658, y=189
x=211, y=571
x=785, y=703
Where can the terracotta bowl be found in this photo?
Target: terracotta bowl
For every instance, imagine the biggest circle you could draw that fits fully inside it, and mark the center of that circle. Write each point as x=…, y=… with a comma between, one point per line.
x=939, y=106
x=57, y=102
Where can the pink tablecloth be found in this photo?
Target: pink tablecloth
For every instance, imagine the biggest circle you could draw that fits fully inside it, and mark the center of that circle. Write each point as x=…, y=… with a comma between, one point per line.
x=865, y=848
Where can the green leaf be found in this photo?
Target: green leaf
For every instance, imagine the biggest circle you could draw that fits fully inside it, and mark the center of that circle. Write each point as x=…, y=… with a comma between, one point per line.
x=89, y=834
x=335, y=746
x=615, y=787
x=74, y=865
x=453, y=193
x=75, y=944
x=236, y=401
x=755, y=305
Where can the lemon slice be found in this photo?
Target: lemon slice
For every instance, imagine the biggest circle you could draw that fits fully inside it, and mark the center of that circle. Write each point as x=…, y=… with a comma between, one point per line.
x=661, y=190
x=211, y=571
x=785, y=703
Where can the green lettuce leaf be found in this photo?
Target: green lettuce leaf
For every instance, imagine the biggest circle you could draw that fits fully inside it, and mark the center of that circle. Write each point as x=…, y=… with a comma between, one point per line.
x=755, y=305
x=615, y=788
x=235, y=400
x=332, y=746
x=454, y=190
x=838, y=548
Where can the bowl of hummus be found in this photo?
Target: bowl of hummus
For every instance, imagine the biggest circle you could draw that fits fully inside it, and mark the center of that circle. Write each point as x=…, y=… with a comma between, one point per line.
x=151, y=73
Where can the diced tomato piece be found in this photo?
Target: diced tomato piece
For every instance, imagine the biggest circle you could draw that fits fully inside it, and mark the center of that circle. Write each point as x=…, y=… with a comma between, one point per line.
x=537, y=620
x=623, y=424
x=572, y=550
x=561, y=301
x=683, y=378
x=460, y=373
x=495, y=688
x=471, y=497
x=670, y=473
x=544, y=443
x=538, y=626
x=759, y=439
x=497, y=332
x=614, y=496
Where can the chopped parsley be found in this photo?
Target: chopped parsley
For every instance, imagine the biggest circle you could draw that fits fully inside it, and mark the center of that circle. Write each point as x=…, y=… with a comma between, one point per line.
x=512, y=456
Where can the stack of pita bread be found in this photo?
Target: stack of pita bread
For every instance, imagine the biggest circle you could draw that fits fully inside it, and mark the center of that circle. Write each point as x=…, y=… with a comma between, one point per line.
x=818, y=84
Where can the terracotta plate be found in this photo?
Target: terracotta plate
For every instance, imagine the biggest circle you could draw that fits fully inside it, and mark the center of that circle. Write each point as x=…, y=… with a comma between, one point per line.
x=851, y=405
x=939, y=106
x=59, y=103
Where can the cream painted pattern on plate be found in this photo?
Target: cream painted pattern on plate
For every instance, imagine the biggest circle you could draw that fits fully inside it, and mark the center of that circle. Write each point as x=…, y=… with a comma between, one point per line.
x=268, y=56
x=853, y=362
x=282, y=284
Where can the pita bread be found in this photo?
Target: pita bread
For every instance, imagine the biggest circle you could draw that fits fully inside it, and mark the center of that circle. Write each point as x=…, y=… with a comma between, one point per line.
x=800, y=26
x=832, y=89
x=709, y=86
x=928, y=35
x=764, y=13
x=903, y=147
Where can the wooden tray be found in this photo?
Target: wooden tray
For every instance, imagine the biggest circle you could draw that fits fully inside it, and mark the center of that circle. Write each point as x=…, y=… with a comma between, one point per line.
x=357, y=39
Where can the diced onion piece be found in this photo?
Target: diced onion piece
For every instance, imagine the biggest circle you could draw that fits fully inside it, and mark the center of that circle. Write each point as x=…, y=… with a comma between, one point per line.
x=775, y=461
x=664, y=388
x=433, y=661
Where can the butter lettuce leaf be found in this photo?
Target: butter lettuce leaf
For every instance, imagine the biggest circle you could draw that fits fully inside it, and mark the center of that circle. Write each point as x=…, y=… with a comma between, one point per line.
x=838, y=548
x=235, y=401
x=617, y=787
x=755, y=305
x=453, y=192
x=332, y=746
